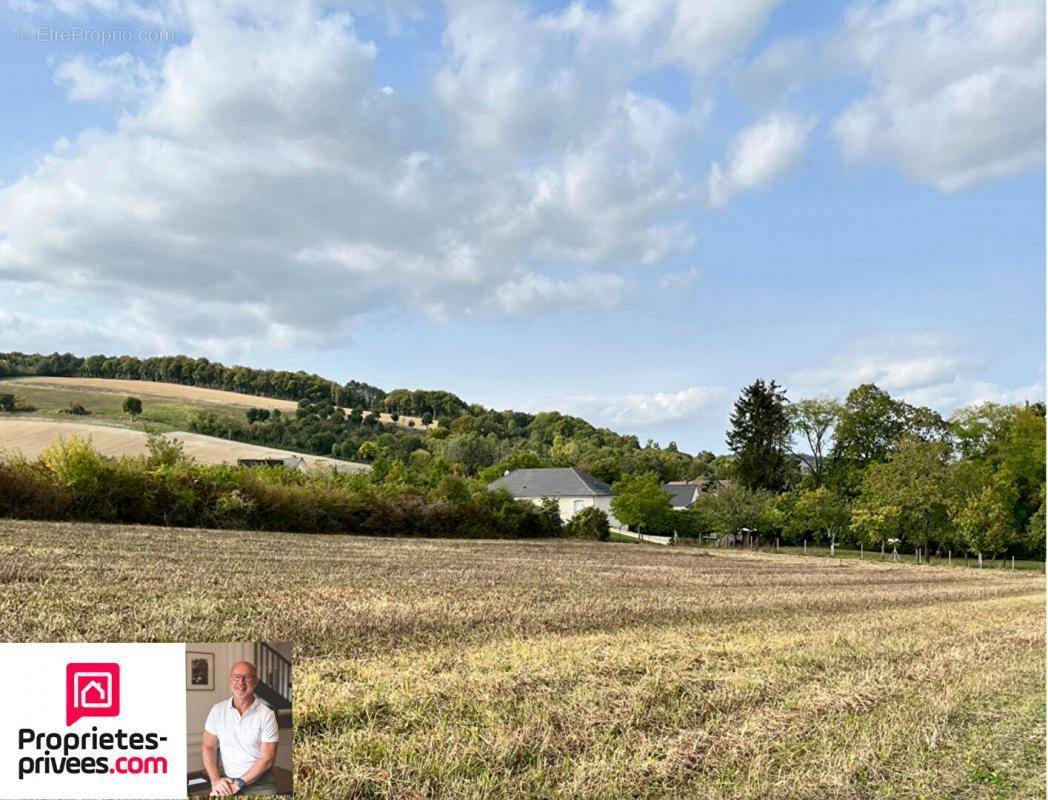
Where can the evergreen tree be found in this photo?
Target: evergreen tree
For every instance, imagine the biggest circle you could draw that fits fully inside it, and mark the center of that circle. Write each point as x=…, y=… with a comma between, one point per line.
x=760, y=436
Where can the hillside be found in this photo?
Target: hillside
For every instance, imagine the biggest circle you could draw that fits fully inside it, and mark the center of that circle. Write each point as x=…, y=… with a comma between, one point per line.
x=31, y=437
x=354, y=420
x=51, y=394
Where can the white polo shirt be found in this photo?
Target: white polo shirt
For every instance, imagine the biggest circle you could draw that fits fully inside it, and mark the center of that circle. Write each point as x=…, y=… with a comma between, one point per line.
x=240, y=738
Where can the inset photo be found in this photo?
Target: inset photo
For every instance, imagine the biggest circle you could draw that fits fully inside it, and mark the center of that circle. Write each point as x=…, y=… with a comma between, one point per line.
x=238, y=719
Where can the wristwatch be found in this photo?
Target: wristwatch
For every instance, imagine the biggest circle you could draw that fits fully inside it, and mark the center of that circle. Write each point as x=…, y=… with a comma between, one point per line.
x=241, y=783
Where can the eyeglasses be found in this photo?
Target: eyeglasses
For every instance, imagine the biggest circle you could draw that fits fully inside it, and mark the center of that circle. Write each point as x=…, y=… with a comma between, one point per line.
x=245, y=678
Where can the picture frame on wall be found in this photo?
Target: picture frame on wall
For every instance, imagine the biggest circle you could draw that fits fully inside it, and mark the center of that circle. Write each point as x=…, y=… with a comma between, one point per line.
x=200, y=671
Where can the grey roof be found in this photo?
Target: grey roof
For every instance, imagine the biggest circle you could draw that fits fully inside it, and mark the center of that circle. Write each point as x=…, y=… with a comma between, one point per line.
x=682, y=495
x=552, y=482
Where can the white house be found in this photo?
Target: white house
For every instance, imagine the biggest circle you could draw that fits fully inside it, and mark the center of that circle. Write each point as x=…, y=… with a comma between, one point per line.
x=572, y=488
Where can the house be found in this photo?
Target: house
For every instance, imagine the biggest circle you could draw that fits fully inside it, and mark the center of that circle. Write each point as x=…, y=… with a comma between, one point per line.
x=291, y=462
x=684, y=494
x=572, y=488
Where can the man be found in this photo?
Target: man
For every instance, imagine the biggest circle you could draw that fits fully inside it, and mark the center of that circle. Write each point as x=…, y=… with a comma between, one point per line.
x=245, y=729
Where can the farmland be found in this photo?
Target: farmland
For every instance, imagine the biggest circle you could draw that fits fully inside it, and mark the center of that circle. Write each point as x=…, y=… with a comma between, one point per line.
x=560, y=669
x=167, y=405
x=31, y=437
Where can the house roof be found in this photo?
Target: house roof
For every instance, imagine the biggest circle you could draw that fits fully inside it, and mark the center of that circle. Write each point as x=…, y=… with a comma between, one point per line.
x=552, y=482
x=682, y=495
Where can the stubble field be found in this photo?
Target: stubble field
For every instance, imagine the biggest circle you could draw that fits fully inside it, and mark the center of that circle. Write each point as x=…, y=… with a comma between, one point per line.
x=464, y=669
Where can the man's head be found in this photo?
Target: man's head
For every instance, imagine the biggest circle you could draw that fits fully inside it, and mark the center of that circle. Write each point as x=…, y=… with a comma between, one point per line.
x=243, y=678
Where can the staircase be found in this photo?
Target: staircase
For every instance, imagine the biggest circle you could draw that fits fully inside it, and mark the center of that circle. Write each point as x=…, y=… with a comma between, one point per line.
x=274, y=682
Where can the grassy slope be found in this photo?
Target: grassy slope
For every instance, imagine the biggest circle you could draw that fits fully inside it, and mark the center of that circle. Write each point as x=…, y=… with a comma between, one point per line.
x=168, y=405
x=163, y=414
x=560, y=669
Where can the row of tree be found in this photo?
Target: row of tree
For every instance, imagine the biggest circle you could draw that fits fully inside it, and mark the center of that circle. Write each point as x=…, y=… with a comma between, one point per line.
x=871, y=469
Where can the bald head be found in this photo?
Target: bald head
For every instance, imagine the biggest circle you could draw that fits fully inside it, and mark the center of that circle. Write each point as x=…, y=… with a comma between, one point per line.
x=243, y=678
x=243, y=668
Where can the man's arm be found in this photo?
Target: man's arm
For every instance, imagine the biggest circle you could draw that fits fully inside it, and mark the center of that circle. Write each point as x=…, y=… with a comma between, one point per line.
x=223, y=787
x=263, y=765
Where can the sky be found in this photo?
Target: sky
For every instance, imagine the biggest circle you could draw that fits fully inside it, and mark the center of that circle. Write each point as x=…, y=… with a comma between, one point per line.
x=625, y=210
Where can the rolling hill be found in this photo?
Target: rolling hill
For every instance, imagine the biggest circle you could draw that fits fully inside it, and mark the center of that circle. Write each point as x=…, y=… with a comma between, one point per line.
x=31, y=436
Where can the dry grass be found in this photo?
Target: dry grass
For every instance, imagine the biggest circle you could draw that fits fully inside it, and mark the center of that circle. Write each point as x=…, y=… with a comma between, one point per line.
x=148, y=389
x=31, y=437
x=459, y=669
x=153, y=390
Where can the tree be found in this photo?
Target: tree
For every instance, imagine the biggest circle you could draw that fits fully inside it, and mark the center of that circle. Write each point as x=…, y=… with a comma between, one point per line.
x=815, y=420
x=731, y=508
x=984, y=519
x=870, y=422
x=820, y=511
x=641, y=503
x=257, y=415
x=132, y=406
x=760, y=436
x=549, y=511
x=906, y=498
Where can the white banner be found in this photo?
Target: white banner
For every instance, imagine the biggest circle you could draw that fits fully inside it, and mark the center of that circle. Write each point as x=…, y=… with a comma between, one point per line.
x=93, y=721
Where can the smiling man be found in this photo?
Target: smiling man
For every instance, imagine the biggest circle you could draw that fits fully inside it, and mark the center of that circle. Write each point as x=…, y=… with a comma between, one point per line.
x=244, y=729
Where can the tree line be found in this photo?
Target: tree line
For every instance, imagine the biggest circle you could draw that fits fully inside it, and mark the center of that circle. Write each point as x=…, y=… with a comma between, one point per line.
x=871, y=470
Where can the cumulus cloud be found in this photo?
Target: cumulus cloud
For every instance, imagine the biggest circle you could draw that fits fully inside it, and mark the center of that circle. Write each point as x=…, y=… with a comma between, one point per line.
x=758, y=155
x=532, y=294
x=118, y=79
x=956, y=90
x=929, y=369
x=636, y=410
x=261, y=169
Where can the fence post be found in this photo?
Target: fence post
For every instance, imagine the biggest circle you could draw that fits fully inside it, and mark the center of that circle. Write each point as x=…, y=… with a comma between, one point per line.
x=805, y=547
x=949, y=558
x=860, y=551
x=1013, y=563
x=917, y=555
x=833, y=549
x=776, y=544
x=882, y=550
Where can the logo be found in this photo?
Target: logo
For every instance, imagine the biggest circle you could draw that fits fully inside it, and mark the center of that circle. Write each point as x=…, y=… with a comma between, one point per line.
x=92, y=690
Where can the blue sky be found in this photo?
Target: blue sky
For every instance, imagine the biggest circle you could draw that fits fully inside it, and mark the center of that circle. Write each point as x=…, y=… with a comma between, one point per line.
x=626, y=211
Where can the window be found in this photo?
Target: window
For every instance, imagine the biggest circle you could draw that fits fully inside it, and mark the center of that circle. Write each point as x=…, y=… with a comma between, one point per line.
x=577, y=506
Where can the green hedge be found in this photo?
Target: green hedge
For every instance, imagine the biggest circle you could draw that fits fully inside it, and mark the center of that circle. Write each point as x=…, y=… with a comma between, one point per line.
x=72, y=481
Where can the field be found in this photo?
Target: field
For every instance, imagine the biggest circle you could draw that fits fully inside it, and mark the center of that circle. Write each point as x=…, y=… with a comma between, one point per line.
x=168, y=405
x=30, y=437
x=466, y=669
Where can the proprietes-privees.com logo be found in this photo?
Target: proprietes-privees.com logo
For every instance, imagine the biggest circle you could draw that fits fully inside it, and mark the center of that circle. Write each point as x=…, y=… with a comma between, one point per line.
x=92, y=690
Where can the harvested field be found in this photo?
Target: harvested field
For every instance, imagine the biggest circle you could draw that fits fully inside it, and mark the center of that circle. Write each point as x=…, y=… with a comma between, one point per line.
x=168, y=391
x=31, y=437
x=466, y=669
x=35, y=390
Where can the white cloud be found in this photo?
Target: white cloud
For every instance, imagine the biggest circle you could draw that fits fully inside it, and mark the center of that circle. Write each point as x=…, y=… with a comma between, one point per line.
x=778, y=71
x=758, y=155
x=635, y=410
x=536, y=294
x=956, y=89
x=263, y=172
x=922, y=368
x=118, y=79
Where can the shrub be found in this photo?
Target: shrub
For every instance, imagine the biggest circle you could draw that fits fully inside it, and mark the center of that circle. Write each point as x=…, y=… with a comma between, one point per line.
x=589, y=523
x=7, y=402
x=164, y=452
x=76, y=409
x=550, y=514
